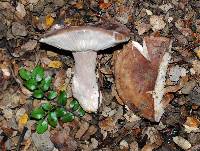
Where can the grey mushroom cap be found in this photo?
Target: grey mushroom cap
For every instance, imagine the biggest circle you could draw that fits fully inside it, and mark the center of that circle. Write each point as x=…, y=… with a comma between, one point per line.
x=84, y=38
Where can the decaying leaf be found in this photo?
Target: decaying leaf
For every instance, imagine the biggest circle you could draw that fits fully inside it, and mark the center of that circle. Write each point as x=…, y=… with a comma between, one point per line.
x=154, y=139
x=182, y=142
x=192, y=125
x=49, y=20
x=140, y=76
x=55, y=64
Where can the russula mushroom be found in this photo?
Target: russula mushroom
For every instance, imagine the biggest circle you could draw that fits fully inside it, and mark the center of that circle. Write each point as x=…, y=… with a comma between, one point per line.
x=84, y=42
x=140, y=74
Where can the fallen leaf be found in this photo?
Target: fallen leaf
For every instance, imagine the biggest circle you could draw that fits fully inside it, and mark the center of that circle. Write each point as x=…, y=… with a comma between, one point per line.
x=182, y=142
x=49, y=21
x=191, y=124
x=55, y=64
x=63, y=141
x=23, y=119
x=157, y=22
x=108, y=124
x=27, y=144
x=84, y=127
x=103, y=5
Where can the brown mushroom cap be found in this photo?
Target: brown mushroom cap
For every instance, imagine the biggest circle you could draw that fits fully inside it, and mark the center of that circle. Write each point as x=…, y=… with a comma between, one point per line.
x=85, y=38
x=136, y=76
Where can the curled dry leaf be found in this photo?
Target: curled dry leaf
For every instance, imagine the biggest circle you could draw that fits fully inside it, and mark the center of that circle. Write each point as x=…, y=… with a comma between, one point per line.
x=154, y=138
x=140, y=76
x=197, y=51
x=182, y=142
x=84, y=127
x=63, y=141
x=91, y=131
x=157, y=22
x=5, y=70
x=59, y=79
x=192, y=124
x=107, y=124
x=196, y=66
x=55, y=64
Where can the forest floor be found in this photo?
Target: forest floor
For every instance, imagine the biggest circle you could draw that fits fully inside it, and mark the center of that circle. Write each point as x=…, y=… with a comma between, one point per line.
x=114, y=127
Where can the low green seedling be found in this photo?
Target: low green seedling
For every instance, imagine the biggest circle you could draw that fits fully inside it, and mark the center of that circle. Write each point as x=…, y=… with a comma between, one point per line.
x=50, y=113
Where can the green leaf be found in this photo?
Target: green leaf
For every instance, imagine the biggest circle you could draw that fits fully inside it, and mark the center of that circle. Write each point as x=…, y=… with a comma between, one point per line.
x=62, y=98
x=41, y=127
x=38, y=94
x=31, y=84
x=46, y=83
x=52, y=119
x=74, y=105
x=38, y=73
x=38, y=113
x=60, y=112
x=81, y=112
x=24, y=74
x=68, y=117
x=47, y=106
x=52, y=95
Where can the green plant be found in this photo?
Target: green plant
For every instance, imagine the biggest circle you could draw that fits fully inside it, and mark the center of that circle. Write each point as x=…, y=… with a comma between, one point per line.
x=55, y=109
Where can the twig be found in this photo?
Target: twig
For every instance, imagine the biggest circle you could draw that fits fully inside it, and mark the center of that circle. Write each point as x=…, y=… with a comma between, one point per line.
x=2, y=143
x=21, y=138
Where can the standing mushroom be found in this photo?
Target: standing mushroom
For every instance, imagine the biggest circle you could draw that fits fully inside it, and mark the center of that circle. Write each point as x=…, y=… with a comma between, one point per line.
x=84, y=42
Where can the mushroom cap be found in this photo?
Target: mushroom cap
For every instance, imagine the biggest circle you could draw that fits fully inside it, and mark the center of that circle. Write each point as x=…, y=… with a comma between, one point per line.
x=85, y=38
x=140, y=81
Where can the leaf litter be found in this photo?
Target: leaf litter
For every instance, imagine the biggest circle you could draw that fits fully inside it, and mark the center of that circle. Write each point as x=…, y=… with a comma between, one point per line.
x=117, y=125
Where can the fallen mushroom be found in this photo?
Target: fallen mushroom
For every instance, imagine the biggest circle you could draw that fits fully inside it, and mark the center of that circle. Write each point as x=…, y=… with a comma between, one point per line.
x=140, y=74
x=84, y=42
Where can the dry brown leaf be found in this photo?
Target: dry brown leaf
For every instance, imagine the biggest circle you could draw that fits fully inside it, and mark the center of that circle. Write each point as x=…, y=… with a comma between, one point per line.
x=107, y=124
x=27, y=143
x=63, y=141
x=192, y=122
x=55, y=64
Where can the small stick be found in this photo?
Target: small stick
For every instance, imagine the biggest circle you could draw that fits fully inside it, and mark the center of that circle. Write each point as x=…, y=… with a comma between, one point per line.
x=21, y=138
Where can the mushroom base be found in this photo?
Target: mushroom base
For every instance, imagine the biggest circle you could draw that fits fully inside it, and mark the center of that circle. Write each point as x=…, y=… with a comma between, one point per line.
x=84, y=83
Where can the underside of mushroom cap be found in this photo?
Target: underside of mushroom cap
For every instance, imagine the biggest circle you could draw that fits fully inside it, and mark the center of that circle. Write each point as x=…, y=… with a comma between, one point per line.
x=84, y=38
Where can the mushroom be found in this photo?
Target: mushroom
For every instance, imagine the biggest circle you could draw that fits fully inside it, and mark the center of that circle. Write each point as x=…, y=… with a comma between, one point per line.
x=85, y=42
x=140, y=74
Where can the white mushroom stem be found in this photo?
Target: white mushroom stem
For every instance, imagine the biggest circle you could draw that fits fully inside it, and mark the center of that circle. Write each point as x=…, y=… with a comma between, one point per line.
x=84, y=83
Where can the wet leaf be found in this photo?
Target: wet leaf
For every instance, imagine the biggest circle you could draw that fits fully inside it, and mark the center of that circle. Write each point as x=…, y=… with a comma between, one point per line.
x=74, y=105
x=52, y=119
x=51, y=95
x=38, y=113
x=60, y=112
x=41, y=127
x=38, y=73
x=68, y=117
x=46, y=83
x=38, y=94
x=62, y=98
x=47, y=106
x=24, y=74
x=31, y=84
